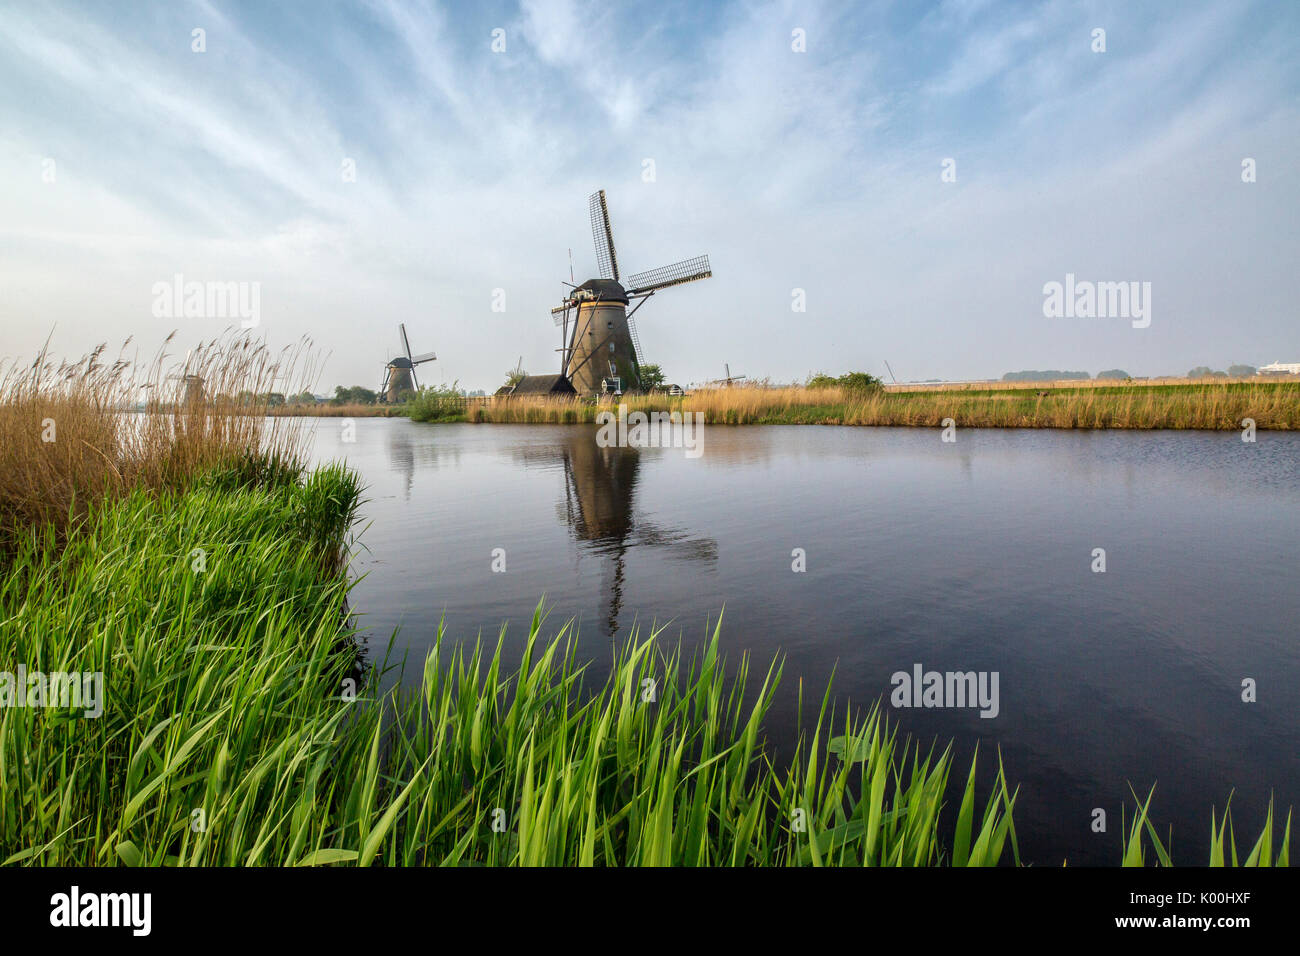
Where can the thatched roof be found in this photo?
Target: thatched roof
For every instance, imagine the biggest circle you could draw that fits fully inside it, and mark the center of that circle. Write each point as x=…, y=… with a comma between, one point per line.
x=539, y=385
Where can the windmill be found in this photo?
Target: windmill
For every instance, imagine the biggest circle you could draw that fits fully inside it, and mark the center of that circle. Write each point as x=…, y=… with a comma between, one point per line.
x=726, y=380
x=193, y=392
x=600, y=350
x=891, y=374
x=399, y=373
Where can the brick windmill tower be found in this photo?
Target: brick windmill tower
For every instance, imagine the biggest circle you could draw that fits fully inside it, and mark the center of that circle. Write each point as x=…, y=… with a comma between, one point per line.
x=600, y=352
x=399, y=373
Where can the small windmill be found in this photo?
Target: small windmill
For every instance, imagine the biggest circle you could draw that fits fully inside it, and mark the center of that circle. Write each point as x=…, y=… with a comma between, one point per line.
x=399, y=373
x=192, y=392
x=727, y=379
x=601, y=351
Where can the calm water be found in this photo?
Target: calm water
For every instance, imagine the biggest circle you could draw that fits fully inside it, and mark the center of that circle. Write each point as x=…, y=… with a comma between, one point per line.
x=968, y=556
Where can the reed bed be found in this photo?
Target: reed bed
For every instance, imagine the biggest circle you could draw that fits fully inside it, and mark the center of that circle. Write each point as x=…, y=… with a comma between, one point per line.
x=1210, y=405
x=75, y=433
x=330, y=410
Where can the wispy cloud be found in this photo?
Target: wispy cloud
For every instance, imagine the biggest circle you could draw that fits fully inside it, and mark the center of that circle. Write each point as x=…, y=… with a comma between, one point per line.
x=817, y=169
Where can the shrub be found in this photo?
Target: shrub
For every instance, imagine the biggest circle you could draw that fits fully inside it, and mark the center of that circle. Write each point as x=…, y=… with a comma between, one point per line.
x=442, y=404
x=857, y=383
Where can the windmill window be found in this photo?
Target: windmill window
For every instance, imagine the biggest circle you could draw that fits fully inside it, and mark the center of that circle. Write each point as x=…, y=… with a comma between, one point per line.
x=609, y=325
x=611, y=346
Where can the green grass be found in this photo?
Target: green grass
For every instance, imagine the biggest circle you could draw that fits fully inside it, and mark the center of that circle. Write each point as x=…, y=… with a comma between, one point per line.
x=1223, y=840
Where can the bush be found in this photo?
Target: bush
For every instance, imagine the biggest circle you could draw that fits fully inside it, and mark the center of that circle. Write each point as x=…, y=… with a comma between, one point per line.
x=444, y=404
x=858, y=383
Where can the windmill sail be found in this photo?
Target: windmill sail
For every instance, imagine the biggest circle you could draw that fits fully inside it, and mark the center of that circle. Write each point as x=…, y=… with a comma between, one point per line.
x=688, y=270
x=406, y=344
x=606, y=258
x=399, y=373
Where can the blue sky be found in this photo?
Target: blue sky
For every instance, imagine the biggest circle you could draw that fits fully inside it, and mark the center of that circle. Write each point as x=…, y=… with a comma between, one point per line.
x=815, y=170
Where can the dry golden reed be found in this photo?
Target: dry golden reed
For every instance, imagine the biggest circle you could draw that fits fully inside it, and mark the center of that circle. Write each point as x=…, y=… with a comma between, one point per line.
x=73, y=433
x=1186, y=405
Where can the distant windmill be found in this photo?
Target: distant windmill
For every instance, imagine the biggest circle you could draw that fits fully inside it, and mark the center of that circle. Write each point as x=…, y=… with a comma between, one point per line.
x=601, y=351
x=193, y=390
x=891, y=373
x=726, y=380
x=399, y=373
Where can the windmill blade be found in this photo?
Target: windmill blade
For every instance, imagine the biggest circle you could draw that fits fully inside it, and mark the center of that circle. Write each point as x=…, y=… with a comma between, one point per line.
x=424, y=357
x=606, y=258
x=406, y=343
x=415, y=382
x=636, y=339
x=688, y=270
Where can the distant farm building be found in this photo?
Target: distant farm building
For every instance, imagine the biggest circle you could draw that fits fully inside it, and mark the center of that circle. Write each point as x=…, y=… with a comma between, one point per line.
x=1277, y=368
x=538, y=385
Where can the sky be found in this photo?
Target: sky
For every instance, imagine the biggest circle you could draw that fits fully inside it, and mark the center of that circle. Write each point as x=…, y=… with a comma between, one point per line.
x=873, y=182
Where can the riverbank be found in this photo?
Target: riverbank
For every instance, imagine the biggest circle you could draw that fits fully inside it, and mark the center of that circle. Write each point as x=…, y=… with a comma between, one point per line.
x=1212, y=405
x=1192, y=406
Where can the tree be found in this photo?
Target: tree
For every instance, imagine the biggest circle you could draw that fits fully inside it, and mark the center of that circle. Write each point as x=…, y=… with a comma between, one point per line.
x=514, y=376
x=652, y=377
x=356, y=395
x=1113, y=373
x=860, y=382
x=1204, y=371
x=1241, y=371
x=856, y=382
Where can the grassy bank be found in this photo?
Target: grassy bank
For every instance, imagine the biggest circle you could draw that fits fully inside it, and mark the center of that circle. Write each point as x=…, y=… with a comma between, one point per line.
x=1195, y=405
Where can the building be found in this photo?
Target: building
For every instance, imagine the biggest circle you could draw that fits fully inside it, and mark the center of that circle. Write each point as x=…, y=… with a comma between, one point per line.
x=538, y=385
x=1277, y=368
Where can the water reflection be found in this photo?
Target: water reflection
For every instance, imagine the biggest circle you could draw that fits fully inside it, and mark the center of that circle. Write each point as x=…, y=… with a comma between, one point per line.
x=598, y=506
x=405, y=452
